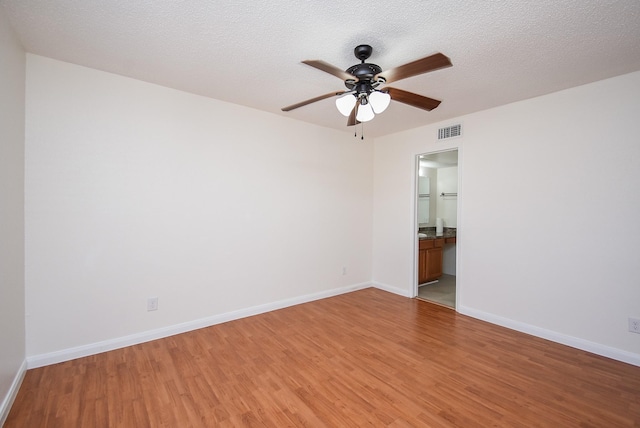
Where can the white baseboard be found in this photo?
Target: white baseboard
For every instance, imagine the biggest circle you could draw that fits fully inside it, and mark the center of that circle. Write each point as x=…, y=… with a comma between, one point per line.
x=391, y=289
x=5, y=407
x=574, y=342
x=146, y=336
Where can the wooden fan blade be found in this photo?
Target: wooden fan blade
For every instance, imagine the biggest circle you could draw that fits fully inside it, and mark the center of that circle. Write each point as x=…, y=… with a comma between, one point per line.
x=331, y=69
x=421, y=66
x=312, y=100
x=352, y=117
x=412, y=99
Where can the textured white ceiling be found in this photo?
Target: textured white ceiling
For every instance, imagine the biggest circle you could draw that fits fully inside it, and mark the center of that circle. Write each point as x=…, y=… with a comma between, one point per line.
x=248, y=52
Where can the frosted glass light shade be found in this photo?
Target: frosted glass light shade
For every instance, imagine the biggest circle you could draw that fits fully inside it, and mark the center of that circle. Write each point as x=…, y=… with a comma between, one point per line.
x=345, y=104
x=379, y=101
x=365, y=113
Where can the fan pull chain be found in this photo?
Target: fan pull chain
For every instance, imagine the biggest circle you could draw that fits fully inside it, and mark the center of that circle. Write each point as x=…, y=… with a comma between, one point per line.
x=362, y=131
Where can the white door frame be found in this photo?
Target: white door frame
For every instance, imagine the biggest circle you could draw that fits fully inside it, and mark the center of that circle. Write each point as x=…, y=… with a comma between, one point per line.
x=458, y=215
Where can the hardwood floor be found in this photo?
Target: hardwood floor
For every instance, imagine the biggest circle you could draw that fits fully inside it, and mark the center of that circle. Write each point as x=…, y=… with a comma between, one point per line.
x=367, y=358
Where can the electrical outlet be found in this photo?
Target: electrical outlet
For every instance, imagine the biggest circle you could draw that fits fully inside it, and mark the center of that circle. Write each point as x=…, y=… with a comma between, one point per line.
x=152, y=304
x=344, y=270
x=634, y=325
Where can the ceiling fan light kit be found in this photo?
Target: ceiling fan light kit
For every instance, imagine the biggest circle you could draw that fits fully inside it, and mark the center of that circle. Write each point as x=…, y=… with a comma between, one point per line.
x=379, y=101
x=345, y=104
x=362, y=82
x=365, y=113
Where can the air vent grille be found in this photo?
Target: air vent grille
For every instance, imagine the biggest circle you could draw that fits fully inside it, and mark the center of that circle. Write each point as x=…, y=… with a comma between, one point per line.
x=450, y=132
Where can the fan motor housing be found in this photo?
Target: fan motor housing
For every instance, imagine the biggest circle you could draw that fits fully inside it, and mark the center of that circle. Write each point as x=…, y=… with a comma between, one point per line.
x=364, y=73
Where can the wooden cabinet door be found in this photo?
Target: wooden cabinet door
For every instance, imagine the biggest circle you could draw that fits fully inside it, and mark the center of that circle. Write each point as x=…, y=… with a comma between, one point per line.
x=422, y=266
x=430, y=260
x=434, y=263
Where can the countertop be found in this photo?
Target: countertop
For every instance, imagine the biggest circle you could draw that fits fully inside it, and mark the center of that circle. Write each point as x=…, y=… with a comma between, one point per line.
x=448, y=232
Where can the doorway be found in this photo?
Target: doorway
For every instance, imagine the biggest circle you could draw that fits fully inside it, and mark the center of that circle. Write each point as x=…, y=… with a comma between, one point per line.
x=436, y=226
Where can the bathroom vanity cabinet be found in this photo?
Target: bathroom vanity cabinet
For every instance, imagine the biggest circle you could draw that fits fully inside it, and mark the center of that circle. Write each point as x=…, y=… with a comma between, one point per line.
x=430, y=256
x=430, y=259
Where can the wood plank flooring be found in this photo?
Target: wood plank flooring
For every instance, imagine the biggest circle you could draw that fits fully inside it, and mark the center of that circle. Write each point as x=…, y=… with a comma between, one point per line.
x=367, y=358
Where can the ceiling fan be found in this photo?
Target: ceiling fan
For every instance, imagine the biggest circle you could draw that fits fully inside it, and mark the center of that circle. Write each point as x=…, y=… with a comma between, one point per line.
x=363, y=100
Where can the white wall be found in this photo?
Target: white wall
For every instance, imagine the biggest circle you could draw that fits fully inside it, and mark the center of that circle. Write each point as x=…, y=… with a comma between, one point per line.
x=12, y=324
x=135, y=190
x=548, y=231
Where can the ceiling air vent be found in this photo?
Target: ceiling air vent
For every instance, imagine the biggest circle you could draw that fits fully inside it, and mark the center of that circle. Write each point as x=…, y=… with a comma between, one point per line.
x=450, y=132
